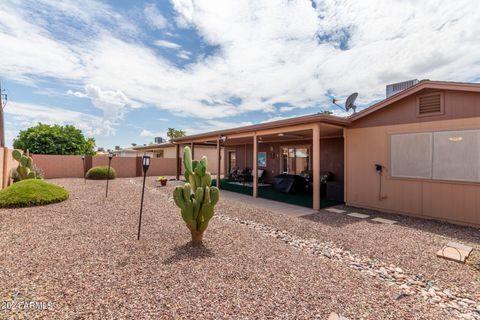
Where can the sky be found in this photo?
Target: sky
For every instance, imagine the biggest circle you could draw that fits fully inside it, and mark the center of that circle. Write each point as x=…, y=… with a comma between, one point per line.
x=125, y=71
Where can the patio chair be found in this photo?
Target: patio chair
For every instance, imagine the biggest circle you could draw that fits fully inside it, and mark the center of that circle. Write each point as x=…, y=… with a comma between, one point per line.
x=260, y=174
x=234, y=174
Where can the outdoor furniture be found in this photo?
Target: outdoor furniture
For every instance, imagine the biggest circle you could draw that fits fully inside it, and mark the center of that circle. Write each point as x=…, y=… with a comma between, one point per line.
x=334, y=191
x=234, y=174
x=325, y=176
x=289, y=183
x=260, y=175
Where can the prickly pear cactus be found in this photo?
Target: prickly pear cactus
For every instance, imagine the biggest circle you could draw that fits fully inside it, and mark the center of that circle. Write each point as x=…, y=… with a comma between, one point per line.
x=196, y=198
x=24, y=169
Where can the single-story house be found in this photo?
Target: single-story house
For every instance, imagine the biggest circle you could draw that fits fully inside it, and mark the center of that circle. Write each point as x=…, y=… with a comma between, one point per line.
x=169, y=150
x=417, y=153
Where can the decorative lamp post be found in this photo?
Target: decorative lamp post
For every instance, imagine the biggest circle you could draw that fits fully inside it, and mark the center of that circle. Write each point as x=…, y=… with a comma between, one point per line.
x=84, y=178
x=110, y=156
x=146, y=164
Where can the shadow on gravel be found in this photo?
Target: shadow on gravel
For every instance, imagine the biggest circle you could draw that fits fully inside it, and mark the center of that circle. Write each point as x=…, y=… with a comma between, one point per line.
x=187, y=252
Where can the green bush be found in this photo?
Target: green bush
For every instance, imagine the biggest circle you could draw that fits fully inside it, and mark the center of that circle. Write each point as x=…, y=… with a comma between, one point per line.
x=100, y=173
x=31, y=192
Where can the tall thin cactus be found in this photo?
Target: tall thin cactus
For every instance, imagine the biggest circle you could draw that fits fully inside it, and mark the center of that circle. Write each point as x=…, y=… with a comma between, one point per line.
x=196, y=198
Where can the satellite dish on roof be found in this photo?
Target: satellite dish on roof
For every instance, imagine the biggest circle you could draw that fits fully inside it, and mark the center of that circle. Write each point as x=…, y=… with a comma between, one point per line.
x=349, y=104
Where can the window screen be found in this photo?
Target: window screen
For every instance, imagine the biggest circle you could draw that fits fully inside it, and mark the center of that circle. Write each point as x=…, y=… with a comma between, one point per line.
x=443, y=155
x=457, y=155
x=411, y=155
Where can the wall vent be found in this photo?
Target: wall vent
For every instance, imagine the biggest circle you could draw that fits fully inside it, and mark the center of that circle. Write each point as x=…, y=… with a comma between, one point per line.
x=430, y=104
x=400, y=86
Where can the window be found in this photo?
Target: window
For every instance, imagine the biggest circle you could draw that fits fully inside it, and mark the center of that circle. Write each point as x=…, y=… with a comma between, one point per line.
x=442, y=155
x=411, y=155
x=457, y=155
x=159, y=153
x=295, y=160
x=232, y=161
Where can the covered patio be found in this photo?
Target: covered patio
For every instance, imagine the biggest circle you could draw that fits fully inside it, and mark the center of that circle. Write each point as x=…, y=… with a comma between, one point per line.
x=298, y=161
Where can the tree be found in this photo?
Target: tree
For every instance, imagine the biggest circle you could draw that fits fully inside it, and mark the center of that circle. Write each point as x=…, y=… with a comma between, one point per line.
x=54, y=139
x=327, y=112
x=172, y=133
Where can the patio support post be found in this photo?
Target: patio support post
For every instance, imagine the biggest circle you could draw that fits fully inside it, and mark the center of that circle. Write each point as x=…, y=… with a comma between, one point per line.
x=316, y=166
x=192, y=146
x=255, y=166
x=218, y=162
x=177, y=157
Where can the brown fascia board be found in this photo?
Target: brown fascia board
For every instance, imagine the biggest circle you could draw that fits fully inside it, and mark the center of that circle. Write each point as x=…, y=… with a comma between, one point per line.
x=424, y=84
x=343, y=122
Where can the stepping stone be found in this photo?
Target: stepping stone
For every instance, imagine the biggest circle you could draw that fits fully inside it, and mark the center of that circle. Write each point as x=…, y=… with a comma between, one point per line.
x=334, y=316
x=455, y=251
x=358, y=215
x=335, y=210
x=386, y=221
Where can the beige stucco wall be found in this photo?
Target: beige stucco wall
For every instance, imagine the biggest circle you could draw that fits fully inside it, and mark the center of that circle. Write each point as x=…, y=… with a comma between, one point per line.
x=199, y=152
x=170, y=152
x=7, y=164
x=211, y=154
x=456, y=202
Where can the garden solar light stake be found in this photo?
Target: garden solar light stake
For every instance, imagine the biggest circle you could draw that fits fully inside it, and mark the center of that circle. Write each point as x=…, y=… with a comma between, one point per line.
x=146, y=164
x=110, y=156
x=84, y=178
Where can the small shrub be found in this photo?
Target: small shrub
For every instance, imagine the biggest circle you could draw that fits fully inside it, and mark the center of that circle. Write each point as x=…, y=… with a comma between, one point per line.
x=31, y=192
x=100, y=173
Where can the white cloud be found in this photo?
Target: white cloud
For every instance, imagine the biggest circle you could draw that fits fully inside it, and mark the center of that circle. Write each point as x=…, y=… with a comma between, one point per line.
x=267, y=52
x=113, y=103
x=167, y=44
x=28, y=114
x=154, y=17
x=212, y=125
x=148, y=133
x=183, y=54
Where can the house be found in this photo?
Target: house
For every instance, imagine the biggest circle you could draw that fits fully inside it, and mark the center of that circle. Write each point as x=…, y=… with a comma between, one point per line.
x=417, y=153
x=168, y=150
x=127, y=152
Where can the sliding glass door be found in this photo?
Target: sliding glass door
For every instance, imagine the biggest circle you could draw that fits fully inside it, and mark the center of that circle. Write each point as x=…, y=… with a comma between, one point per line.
x=295, y=159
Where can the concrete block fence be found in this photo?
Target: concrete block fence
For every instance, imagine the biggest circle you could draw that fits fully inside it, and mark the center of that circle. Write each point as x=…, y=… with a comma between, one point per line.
x=59, y=166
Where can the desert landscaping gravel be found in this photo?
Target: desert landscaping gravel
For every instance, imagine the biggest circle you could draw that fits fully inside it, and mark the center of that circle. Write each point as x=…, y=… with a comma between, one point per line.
x=80, y=259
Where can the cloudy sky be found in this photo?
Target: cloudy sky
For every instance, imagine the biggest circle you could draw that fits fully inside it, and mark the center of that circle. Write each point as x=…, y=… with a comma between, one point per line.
x=125, y=71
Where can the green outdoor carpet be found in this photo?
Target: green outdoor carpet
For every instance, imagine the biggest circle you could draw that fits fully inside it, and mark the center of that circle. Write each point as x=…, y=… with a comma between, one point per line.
x=268, y=192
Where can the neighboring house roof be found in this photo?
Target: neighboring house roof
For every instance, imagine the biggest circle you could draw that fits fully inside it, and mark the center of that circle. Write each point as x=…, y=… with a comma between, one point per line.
x=341, y=121
x=154, y=146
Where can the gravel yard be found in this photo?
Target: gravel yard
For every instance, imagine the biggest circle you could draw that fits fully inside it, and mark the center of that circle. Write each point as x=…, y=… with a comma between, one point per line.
x=81, y=258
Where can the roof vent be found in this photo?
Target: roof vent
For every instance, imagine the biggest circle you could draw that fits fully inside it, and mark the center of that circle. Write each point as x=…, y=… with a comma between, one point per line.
x=430, y=104
x=400, y=86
